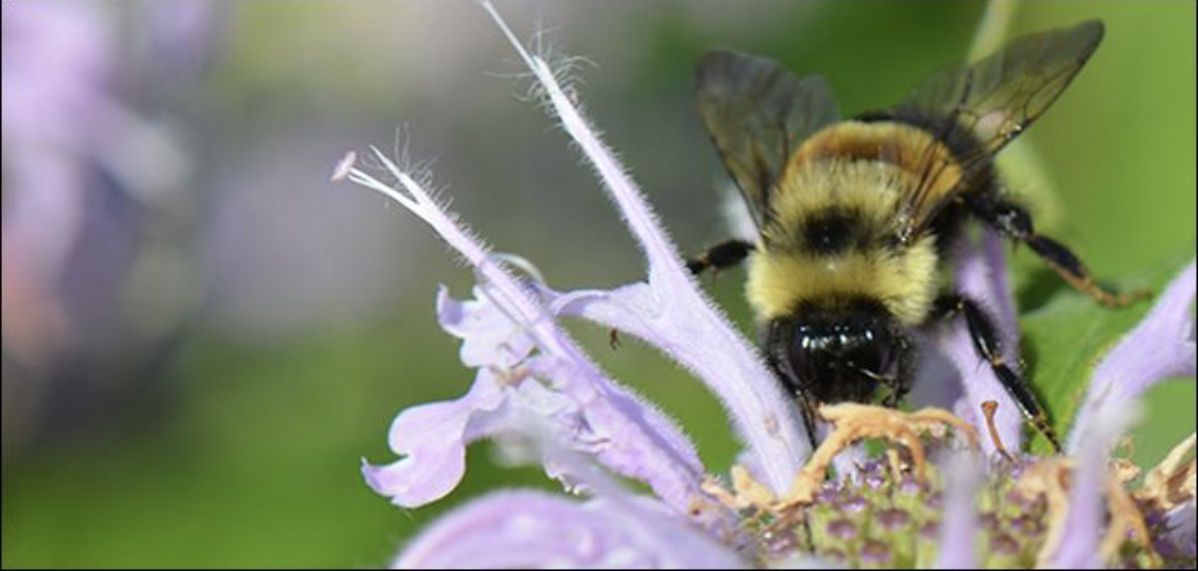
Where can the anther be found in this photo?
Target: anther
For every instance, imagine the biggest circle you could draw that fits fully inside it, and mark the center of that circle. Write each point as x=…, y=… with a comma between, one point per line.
x=988, y=409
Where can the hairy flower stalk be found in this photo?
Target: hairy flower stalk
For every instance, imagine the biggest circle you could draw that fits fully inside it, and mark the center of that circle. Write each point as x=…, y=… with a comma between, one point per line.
x=939, y=489
x=678, y=319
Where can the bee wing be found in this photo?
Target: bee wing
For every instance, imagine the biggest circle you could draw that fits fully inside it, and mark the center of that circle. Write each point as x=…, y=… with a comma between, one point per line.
x=757, y=113
x=995, y=99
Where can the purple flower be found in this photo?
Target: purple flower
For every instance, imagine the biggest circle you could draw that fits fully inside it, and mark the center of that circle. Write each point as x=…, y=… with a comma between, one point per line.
x=959, y=526
x=533, y=383
x=1161, y=346
x=524, y=529
x=73, y=136
x=95, y=273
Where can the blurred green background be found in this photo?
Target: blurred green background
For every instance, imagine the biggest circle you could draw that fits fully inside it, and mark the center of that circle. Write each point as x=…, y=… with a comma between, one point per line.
x=202, y=336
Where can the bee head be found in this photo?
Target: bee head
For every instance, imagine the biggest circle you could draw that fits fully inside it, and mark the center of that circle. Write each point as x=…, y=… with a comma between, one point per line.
x=839, y=355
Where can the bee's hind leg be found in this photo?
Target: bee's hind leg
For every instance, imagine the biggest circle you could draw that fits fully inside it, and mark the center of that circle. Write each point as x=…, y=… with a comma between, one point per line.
x=985, y=340
x=1014, y=222
x=720, y=256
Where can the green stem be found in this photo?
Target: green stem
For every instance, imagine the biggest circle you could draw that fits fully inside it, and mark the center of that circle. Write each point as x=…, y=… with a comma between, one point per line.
x=992, y=32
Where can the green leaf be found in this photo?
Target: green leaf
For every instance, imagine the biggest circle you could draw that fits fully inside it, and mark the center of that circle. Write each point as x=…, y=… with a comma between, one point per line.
x=1066, y=334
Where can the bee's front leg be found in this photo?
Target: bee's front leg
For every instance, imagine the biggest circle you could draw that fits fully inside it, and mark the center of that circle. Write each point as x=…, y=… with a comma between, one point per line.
x=904, y=372
x=720, y=256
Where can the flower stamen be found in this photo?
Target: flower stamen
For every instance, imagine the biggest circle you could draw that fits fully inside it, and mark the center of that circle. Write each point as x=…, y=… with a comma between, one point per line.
x=1171, y=483
x=988, y=409
x=854, y=422
x=1047, y=479
x=1126, y=521
x=341, y=171
x=746, y=492
x=510, y=377
x=1051, y=479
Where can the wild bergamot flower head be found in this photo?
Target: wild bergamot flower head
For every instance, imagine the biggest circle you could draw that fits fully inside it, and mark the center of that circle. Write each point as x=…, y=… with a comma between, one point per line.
x=941, y=488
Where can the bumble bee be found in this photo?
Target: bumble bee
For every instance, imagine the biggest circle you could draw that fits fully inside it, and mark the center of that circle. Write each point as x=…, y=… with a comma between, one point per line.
x=855, y=216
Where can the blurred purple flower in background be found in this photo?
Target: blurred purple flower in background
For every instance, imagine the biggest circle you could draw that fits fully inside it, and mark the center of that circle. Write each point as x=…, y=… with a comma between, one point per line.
x=95, y=220
x=534, y=383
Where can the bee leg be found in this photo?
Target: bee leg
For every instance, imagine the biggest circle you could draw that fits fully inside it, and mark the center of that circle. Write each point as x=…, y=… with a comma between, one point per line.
x=720, y=256
x=900, y=384
x=807, y=402
x=808, y=407
x=1014, y=221
x=985, y=340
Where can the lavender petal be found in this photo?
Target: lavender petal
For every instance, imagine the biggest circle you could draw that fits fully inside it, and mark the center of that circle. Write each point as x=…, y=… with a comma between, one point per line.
x=431, y=440
x=960, y=524
x=638, y=309
x=1160, y=346
x=527, y=529
x=1087, y=507
x=559, y=382
x=489, y=337
x=626, y=434
x=699, y=335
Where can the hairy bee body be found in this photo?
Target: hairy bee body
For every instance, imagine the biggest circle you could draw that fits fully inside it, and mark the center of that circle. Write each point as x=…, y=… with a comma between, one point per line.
x=856, y=217
x=834, y=221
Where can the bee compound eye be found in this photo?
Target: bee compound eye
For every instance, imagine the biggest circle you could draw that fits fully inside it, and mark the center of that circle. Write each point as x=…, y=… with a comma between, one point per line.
x=876, y=350
x=812, y=351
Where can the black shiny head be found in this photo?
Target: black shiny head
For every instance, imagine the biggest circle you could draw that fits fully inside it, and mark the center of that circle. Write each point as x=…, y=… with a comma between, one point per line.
x=839, y=355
